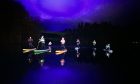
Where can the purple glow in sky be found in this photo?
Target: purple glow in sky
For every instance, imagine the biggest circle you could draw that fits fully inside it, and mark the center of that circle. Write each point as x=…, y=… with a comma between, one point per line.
x=73, y=11
x=70, y=10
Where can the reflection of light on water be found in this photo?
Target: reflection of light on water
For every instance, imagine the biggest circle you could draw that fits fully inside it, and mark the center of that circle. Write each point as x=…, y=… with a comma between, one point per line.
x=29, y=60
x=41, y=62
x=77, y=51
x=79, y=74
x=78, y=54
x=94, y=54
x=62, y=61
x=45, y=67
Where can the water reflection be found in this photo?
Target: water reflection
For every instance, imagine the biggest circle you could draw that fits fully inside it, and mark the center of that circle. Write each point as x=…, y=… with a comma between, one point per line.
x=41, y=62
x=77, y=51
x=62, y=62
x=40, y=56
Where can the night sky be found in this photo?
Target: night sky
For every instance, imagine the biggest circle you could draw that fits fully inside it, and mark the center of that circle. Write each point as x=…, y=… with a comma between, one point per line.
x=62, y=13
x=69, y=13
x=80, y=10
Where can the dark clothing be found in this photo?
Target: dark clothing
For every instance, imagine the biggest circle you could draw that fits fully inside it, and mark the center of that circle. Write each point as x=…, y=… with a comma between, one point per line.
x=30, y=43
x=42, y=46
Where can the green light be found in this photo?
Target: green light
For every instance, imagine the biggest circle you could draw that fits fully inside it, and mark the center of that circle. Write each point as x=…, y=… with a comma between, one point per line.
x=36, y=52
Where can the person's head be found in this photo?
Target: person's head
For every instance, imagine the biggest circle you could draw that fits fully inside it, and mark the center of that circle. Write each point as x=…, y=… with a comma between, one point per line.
x=50, y=43
x=94, y=42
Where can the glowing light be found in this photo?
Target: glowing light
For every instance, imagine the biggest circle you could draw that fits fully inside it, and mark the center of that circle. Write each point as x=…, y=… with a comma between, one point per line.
x=59, y=52
x=28, y=50
x=54, y=8
x=40, y=51
x=71, y=11
x=35, y=51
x=62, y=61
x=41, y=60
x=78, y=54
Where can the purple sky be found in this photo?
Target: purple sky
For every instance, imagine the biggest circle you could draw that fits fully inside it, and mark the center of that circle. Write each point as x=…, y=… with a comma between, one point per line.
x=72, y=11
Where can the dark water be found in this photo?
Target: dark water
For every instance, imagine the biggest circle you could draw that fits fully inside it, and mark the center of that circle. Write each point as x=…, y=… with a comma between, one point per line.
x=83, y=70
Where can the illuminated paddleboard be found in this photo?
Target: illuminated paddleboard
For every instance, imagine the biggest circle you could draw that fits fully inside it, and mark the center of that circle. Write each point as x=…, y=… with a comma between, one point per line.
x=59, y=52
